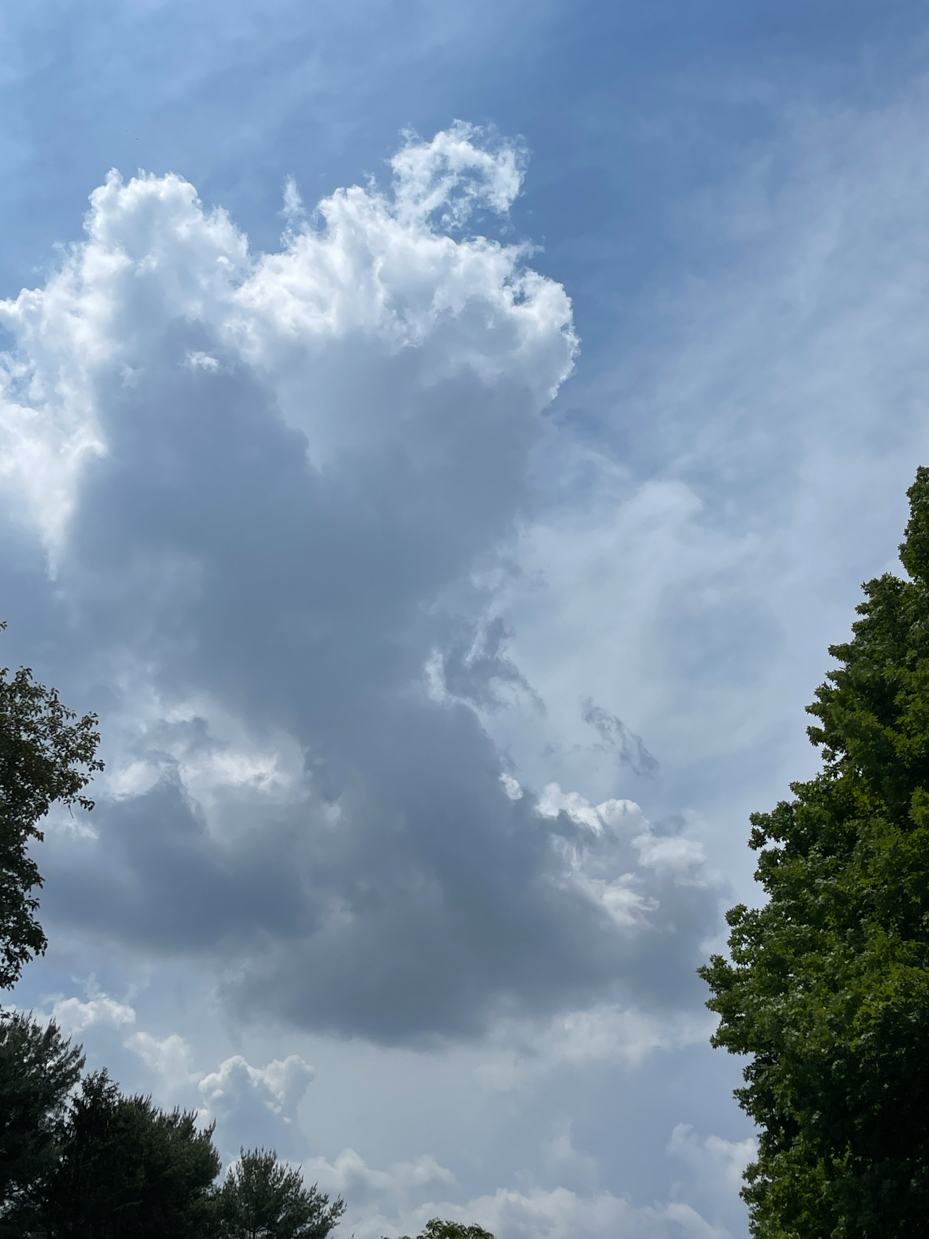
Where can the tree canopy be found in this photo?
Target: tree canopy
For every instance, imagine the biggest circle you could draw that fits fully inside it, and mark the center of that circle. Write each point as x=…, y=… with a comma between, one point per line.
x=436, y=1228
x=47, y=755
x=128, y=1170
x=827, y=986
x=262, y=1198
x=38, y=1069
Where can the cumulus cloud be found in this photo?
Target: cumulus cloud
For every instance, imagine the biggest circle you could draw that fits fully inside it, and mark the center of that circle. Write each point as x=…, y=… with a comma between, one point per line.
x=406, y=1196
x=168, y=1057
x=256, y=1105
x=563, y=1214
x=74, y=1017
x=264, y=484
x=715, y=1164
x=519, y=1053
x=278, y=1087
x=397, y=1189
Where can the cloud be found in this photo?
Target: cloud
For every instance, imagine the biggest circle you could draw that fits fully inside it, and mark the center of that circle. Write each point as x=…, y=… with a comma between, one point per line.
x=278, y=1087
x=256, y=1106
x=371, y=1190
x=267, y=482
x=715, y=1164
x=169, y=1057
x=518, y=1054
x=74, y=1017
x=563, y=1214
x=616, y=737
x=757, y=433
x=473, y=667
x=402, y=1200
x=452, y=176
x=674, y=852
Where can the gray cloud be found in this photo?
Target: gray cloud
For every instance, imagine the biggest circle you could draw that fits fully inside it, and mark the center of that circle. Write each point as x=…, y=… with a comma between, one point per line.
x=616, y=738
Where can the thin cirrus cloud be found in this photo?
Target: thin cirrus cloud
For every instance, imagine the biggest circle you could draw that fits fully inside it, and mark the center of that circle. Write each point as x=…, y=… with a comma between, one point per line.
x=257, y=480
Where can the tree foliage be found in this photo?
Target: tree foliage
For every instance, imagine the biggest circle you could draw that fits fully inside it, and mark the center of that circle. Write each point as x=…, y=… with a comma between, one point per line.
x=128, y=1170
x=38, y=1069
x=437, y=1229
x=262, y=1198
x=827, y=988
x=47, y=755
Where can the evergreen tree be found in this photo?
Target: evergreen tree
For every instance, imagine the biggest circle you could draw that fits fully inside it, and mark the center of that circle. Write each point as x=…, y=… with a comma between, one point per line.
x=827, y=988
x=128, y=1170
x=264, y=1199
x=47, y=755
x=38, y=1068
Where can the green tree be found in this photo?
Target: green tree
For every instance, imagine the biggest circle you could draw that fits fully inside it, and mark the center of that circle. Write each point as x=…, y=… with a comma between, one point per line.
x=38, y=1069
x=128, y=1170
x=437, y=1229
x=47, y=755
x=262, y=1198
x=827, y=988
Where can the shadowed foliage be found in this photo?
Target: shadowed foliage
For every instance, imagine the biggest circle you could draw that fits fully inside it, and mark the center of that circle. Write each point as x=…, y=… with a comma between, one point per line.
x=128, y=1170
x=38, y=1068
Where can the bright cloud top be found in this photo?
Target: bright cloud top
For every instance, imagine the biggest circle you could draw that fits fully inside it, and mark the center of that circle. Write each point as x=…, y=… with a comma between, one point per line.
x=376, y=268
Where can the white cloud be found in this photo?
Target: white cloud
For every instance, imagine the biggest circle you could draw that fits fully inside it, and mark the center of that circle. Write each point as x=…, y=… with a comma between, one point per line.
x=511, y=787
x=715, y=1163
x=379, y=268
x=198, y=360
x=669, y=852
x=169, y=1057
x=278, y=1087
x=611, y=813
x=519, y=1054
x=563, y=1214
x=622, y=896
x=454, y=174
x=401, y=1200
x=74, y=1017
x=363, y=1186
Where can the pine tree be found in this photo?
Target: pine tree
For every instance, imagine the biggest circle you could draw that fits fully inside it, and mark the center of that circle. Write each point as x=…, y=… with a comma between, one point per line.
x=38, y=1069
x=128, y=1170
x=262, y=1198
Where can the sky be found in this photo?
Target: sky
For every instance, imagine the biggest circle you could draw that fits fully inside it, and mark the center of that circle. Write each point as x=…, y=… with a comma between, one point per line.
x=441, y=442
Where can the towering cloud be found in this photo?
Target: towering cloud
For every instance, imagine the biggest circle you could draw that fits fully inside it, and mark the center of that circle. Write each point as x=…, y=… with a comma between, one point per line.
x=263, y=485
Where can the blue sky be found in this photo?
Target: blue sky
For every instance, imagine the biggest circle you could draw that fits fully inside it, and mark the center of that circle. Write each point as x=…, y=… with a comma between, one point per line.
x=449, y=543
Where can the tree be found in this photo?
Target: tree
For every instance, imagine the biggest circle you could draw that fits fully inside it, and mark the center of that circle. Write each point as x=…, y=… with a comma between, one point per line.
x=46, y=757
x=827, y=988
x=263, y=1199
x=38, y=1069
x=437, y=1229
x=128, y=1170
